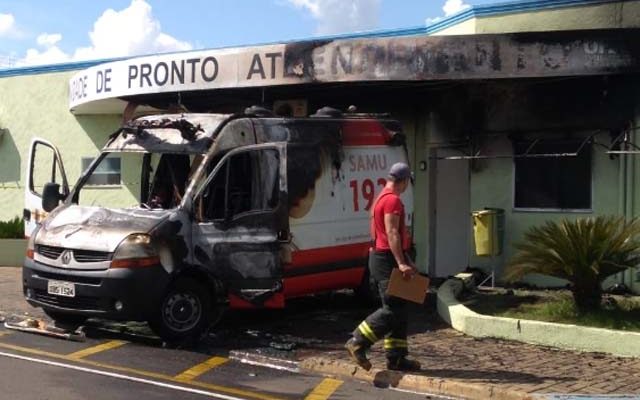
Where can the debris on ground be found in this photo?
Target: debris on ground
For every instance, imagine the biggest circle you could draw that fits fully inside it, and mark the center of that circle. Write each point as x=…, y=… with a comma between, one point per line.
x=283, y=346
x=37, y=326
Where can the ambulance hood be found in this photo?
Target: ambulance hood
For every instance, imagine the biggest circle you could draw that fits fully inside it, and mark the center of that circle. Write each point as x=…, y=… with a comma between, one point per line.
x=96, y=228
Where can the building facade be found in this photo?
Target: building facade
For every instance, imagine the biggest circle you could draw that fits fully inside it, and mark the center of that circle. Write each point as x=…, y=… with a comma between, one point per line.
x=530, y=107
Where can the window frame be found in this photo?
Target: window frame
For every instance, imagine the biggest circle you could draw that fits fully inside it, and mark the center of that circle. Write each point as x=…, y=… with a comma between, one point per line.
x=577, y=141
x=55, y=167
x=223, y=163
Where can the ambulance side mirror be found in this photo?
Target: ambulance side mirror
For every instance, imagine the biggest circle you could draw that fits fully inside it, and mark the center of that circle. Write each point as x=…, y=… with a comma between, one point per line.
x=51, y=196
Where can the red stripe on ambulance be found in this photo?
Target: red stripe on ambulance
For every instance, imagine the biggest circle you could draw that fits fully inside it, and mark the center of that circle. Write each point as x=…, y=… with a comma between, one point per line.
x=327, y=255
x=364, y=133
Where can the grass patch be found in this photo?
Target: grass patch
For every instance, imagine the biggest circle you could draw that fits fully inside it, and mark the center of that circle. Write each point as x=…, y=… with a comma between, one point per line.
x=617, y=312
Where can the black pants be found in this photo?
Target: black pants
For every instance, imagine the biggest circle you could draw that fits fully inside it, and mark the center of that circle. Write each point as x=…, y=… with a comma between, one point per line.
x=390, y=320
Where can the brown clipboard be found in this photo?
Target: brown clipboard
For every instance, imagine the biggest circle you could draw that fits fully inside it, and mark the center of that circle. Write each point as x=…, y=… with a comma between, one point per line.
x=413, y=289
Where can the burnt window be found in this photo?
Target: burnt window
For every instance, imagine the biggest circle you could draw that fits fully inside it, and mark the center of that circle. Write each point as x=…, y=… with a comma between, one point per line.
x=246, y=182
x=553, y=182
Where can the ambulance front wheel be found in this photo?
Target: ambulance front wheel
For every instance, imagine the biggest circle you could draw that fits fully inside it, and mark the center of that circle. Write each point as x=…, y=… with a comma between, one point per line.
x=184, y=312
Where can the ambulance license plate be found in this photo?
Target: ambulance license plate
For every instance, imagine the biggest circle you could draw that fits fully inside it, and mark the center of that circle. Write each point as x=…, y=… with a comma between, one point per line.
x=60, y=288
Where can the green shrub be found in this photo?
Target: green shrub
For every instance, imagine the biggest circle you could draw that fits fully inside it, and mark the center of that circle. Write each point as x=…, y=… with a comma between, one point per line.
x=584, y=252
x=12, y=229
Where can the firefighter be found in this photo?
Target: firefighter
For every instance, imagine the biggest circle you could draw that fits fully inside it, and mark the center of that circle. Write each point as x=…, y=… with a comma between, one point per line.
x=390, y=251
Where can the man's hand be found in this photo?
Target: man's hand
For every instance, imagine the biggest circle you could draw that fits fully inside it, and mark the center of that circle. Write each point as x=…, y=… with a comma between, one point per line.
x=407, y=270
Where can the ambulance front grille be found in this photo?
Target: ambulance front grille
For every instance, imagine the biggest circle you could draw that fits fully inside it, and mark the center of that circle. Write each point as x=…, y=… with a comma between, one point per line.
x=83, y=256
x=50, y=251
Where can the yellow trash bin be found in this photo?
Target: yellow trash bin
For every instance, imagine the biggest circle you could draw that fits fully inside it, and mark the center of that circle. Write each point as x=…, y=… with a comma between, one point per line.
x=488, y=230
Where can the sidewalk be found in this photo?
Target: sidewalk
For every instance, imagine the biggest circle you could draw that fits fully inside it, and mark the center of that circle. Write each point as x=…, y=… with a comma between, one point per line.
x=11, y=299
x=511, y=368
x=453, y=363
x=493, y=368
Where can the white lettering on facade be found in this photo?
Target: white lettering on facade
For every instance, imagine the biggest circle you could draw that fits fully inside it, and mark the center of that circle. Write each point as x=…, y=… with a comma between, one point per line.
x=159, y=74
x=79, y=88
x=257, y=66
x=103, y=81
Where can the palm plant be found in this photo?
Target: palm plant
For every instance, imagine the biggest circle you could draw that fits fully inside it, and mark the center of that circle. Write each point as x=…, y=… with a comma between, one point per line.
x=584, y=252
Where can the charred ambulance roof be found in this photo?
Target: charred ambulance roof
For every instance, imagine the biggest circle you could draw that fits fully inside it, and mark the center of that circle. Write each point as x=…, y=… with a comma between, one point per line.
x=167, y=133
x=195, y=133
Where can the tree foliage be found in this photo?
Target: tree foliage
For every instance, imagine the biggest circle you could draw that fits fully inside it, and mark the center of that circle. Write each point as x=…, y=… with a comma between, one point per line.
x=584, y=252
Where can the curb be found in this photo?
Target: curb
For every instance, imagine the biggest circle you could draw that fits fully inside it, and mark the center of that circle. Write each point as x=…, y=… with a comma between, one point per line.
x=562, y=336
x=435, y=386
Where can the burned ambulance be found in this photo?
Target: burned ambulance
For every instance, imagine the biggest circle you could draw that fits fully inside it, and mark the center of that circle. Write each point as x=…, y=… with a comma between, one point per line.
x=219, y=211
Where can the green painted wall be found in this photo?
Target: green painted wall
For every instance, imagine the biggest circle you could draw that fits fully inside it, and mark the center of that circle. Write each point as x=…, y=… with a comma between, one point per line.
x=36, y=105
x=421, y=189
x=467, y=27
x=493, y=186
x=414, y=126
x=600, y=16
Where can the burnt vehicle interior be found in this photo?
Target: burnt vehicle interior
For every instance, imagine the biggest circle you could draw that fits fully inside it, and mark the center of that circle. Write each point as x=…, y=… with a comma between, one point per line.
x=168, y=184
x=161, y=184
x=243, y=184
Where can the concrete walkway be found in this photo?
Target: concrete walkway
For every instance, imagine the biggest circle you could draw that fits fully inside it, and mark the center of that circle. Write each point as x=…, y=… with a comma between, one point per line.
x=503, y=369
x=453, y=363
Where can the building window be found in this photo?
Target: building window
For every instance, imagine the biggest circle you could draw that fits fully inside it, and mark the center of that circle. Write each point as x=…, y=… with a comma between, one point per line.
x=106, y=173
x=558, y=183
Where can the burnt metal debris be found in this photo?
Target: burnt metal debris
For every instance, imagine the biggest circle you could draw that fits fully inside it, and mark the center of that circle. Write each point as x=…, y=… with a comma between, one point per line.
x=528, y=153
x=139, y=127
x=40, y=327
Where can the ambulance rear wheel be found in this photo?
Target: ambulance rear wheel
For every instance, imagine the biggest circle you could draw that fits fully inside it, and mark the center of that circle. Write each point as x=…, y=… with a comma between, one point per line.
x=184, y=312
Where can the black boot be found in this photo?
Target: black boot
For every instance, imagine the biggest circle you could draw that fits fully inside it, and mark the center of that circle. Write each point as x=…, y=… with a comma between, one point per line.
x=358, y=354
x=403, y=364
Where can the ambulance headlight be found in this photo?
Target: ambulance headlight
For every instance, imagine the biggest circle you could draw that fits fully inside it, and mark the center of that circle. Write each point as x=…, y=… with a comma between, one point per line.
x=134, y=251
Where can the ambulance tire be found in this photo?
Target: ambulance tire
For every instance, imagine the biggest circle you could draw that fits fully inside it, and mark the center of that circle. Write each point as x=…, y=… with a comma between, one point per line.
x=64, y=318
x=367, y=292
x=184, y=313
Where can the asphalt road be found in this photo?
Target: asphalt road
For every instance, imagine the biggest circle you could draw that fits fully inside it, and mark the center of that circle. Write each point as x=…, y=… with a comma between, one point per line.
x=125, y=361
x=29, y=380
x=37, y=367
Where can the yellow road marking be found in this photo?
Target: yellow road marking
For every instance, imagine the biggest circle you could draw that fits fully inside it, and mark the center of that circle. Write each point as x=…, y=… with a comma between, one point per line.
x=219, y=388
x=197, y=370
x=97, y=349
x=324, y=390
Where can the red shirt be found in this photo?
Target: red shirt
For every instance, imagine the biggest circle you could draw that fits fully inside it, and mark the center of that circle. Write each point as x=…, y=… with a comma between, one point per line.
x=387, y=203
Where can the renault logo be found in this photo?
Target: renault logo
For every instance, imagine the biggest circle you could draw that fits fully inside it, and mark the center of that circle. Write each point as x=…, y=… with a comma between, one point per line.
x=66, y=257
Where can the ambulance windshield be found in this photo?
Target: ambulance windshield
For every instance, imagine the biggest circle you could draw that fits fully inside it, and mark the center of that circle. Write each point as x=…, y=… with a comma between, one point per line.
x=136, y=180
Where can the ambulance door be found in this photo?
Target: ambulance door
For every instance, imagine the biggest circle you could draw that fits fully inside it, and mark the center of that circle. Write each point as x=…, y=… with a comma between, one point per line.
x=241, y=222
x=44, y=166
